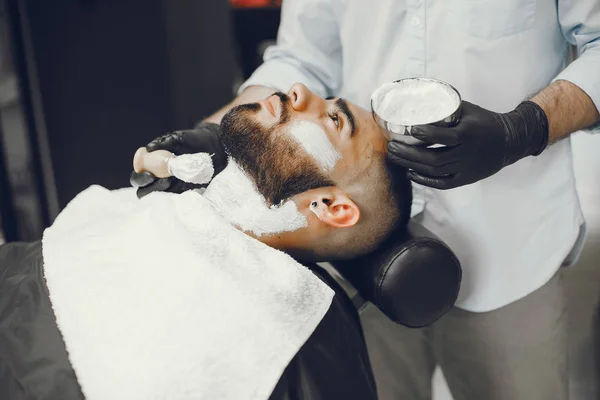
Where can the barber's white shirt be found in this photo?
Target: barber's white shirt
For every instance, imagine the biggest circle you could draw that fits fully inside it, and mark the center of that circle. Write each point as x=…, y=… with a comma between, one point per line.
x=513, y=230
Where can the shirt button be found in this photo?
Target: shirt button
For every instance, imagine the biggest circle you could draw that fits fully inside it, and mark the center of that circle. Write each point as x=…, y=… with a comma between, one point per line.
x=415, y=21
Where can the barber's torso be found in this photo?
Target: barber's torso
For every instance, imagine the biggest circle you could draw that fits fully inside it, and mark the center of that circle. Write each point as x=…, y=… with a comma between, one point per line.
x=512, y=231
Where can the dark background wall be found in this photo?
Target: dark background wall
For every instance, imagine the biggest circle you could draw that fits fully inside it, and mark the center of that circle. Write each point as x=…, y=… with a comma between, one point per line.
x=115, y=74
x=84, y=83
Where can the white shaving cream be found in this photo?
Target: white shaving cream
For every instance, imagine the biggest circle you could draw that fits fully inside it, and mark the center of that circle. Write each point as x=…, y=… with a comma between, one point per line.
x=192, y=168
x=235, y=197
x=414, y=102
x=316, y=143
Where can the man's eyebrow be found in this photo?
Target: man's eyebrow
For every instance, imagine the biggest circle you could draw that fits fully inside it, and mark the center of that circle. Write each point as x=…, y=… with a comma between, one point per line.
x=344, y=109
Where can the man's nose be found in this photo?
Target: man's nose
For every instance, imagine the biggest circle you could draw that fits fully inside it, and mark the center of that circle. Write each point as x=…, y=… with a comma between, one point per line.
x=301, y=97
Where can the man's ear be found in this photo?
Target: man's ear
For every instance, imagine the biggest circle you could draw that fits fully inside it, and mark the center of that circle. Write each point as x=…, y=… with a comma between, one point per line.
x=334, y=207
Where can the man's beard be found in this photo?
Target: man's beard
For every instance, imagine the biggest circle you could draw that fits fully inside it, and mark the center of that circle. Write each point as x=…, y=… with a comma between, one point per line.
x=278, y=165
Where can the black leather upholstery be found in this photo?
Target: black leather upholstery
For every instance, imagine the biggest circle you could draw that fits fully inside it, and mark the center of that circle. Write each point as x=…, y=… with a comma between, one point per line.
x=412, y=278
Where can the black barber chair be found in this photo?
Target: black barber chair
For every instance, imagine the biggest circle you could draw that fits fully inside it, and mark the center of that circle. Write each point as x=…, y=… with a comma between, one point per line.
x=413, y=279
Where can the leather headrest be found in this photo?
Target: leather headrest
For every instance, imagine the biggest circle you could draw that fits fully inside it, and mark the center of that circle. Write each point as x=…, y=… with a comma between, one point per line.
x=413, y=278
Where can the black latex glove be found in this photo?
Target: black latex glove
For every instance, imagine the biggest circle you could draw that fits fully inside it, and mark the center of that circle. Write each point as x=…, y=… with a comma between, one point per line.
x=204, y=138
x=481, y=144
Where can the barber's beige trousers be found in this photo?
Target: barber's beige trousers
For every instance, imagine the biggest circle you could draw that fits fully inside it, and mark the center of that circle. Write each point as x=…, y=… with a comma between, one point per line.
x=518, y=352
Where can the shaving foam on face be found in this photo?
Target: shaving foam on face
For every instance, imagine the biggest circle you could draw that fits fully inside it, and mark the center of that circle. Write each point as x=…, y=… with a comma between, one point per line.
x=316, y=143
x=235, y=197
x=414, y=102
x=192, y=168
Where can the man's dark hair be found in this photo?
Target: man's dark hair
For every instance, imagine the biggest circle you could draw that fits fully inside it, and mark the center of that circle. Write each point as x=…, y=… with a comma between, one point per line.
x=384, y=197
x=401, y=188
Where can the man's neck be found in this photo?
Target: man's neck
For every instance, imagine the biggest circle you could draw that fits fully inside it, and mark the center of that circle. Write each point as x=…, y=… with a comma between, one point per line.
x=234, y=196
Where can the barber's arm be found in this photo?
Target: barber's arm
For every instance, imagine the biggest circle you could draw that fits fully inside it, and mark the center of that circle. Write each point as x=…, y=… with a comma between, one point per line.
x=484, y=142
x=568, y=109
x=572, y=101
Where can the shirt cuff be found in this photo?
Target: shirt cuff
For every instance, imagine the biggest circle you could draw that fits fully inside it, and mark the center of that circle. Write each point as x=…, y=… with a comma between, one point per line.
x=583, y=73
x=281, y=75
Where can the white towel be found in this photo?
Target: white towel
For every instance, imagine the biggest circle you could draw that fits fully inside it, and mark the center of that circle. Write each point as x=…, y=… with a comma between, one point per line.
x=160, y=298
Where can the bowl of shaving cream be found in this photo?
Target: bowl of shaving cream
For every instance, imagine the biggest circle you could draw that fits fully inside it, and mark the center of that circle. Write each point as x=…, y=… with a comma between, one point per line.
x=399, y=105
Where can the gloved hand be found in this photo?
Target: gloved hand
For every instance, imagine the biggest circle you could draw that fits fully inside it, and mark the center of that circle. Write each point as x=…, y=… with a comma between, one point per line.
x=481, y=144
x=205, y=137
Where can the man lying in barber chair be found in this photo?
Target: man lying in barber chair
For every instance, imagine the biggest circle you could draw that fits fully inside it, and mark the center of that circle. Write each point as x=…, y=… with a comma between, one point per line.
x=199, y=295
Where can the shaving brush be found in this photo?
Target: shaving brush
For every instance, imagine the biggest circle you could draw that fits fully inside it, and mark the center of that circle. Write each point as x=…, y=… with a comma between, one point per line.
x=191, y=168
x=155, y=162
